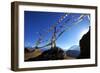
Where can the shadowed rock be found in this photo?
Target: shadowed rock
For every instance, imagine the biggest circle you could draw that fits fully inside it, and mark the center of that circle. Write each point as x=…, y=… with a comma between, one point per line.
x=51, y=54
x=85, y=46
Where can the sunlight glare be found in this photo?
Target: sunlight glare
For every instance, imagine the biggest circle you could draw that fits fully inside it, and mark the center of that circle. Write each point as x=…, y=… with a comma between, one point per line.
x=83, y=32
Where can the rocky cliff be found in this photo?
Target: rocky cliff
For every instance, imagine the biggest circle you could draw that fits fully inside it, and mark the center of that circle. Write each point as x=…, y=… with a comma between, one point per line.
x=85, y=46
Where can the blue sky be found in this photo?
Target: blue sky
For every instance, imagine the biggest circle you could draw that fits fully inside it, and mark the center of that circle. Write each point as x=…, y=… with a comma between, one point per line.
x=40, y=22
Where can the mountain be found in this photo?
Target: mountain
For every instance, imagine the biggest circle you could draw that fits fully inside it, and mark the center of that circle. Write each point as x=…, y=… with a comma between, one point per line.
x=27, y=50
x=73, y=51
x=85, y=46
x=50, y=54
x=31, y=53
x=75, y=47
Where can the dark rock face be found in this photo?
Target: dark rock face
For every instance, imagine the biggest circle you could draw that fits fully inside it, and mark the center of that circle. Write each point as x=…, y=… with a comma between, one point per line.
x=26, y=50
x=85, y=46
x=55, y=53
x=51, y=54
